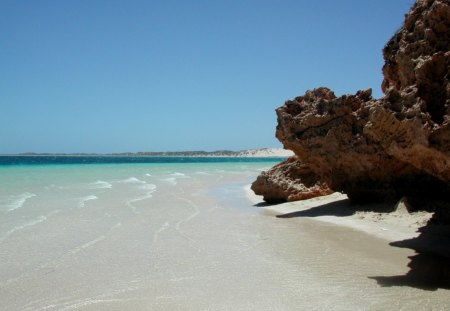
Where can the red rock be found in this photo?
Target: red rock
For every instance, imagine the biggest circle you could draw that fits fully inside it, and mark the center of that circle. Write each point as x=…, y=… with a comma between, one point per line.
x=289, y=181
x=375, y=150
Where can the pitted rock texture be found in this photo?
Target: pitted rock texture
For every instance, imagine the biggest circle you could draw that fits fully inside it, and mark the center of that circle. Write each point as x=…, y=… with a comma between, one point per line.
x=377, y=149
x=290, y=181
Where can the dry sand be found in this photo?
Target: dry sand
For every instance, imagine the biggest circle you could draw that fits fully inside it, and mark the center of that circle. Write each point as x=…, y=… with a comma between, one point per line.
x=392, y=226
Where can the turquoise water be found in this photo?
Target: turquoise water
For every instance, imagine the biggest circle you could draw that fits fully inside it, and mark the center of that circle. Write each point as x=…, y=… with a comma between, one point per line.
x=39, y=186
x=71, y=231
x=39, y=181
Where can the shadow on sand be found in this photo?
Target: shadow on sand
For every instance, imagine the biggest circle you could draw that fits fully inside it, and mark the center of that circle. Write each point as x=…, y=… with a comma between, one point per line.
x=339, y=209
x=429, y=268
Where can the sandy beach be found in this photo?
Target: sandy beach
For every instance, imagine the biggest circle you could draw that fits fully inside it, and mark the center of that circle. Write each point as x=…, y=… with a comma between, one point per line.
x=335, y=209
x=402, y=239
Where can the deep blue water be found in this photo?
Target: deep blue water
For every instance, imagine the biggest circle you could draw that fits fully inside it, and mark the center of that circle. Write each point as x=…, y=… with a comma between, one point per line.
x=48, y=160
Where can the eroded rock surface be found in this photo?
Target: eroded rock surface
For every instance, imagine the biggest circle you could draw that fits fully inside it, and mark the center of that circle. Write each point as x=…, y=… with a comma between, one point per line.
x=290, y=181
x=375, y=149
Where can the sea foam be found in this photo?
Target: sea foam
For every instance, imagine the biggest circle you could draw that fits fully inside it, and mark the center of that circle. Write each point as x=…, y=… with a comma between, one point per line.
x=100, y=184
x=33, y=222
x=19, y=201
x=178, y=174
x=150, y=188
x=174, y=176
x=132, y=180
x=83, y=200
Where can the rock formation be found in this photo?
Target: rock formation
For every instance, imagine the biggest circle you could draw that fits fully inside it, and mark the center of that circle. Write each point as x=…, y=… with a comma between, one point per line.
x=375, y=149
x=291, y=180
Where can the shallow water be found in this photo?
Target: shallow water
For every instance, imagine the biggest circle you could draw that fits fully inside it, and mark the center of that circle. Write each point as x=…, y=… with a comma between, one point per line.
x=179, y=236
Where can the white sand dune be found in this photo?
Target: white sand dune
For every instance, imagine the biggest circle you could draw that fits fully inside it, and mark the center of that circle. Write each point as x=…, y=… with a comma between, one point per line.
x=266, y=152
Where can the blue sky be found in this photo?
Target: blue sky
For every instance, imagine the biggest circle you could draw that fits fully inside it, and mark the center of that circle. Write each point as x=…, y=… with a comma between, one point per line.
x=116, y=76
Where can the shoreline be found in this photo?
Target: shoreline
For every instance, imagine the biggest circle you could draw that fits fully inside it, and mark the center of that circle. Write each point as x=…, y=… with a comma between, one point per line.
x=247, y=153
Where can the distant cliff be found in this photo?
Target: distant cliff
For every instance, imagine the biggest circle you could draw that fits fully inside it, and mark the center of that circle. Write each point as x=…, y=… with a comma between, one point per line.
x=376, y=149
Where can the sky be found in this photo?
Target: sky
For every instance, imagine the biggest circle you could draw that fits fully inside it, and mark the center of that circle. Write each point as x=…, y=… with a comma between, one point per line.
x=170, y=75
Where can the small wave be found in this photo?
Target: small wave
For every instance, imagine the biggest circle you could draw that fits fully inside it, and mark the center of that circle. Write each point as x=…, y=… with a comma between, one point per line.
x=19, y=201
x=150, y=189
x=28, y=224
x=149, y=175
x=100, y=184
x=85, y=199
x=132, y=180
x=178, y=174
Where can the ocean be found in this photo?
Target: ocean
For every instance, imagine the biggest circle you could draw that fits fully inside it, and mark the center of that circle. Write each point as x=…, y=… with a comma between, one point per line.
x=109, y=232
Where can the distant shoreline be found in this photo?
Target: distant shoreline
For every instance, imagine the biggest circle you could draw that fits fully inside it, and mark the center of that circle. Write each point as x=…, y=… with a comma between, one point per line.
x=248, y=153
